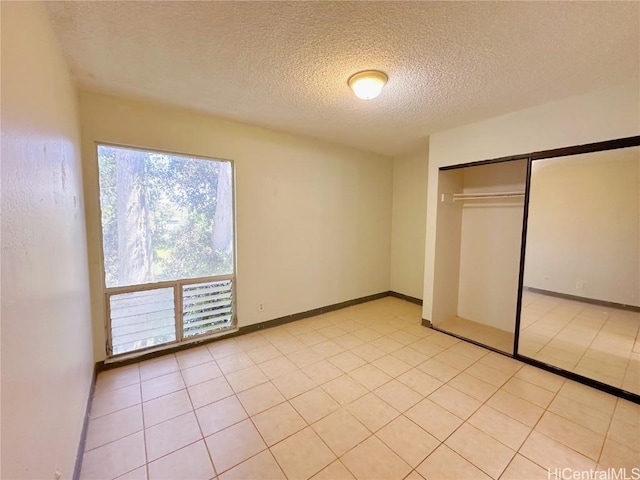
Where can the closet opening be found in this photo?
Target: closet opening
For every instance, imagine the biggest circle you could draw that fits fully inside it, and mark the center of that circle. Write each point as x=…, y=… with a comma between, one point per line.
x=478, y=246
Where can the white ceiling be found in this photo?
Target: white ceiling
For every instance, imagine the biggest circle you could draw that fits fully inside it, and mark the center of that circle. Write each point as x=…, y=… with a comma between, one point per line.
x=285, y=65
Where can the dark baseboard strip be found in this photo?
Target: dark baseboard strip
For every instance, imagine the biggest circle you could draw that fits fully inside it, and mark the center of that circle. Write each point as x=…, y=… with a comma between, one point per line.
x=402, y=296
x=426, y=323
x=85, y=424
x=592, y=301
x=310, y=313
x=243, y=331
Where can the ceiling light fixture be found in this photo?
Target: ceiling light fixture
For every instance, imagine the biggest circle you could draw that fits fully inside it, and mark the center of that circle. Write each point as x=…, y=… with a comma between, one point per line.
x=367, y=84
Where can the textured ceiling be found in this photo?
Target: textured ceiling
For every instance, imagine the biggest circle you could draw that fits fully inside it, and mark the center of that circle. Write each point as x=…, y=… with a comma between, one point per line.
x=285, y=65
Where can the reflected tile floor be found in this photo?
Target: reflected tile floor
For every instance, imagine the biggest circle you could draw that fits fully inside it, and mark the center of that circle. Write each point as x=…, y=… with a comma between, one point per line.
x=598, y=342
x=364, y=392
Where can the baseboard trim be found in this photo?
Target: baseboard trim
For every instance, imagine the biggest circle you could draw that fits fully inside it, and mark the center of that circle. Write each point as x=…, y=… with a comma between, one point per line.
x=408, y=298
x=426, y=323
x=309, y=313
x=244, y=330
x=592, y=301
x=85, y=423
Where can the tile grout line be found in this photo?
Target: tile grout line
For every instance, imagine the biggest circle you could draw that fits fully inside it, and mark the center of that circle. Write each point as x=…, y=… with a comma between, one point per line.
x=598, y=331
x=119, y=438
x=180, y=370
x=606, y=435
x=533, y=428
x=193, y=409
x=558, y=394
x=371, y=434
x=144, y=428
x=423, y=398
x=591, y=343
x=464, y=421
x=368, y=391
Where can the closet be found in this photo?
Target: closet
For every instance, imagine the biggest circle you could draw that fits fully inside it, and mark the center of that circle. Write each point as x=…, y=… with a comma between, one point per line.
x=478, y=248
x=537, y=256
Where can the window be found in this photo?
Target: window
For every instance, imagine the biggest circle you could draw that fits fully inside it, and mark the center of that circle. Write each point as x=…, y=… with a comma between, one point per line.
x=168, y=246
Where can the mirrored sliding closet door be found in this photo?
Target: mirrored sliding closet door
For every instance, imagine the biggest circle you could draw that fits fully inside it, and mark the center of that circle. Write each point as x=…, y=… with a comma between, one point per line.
x=580, y=307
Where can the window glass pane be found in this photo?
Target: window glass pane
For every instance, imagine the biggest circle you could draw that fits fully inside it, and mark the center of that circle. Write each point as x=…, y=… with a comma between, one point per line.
x=164, y=216
x=142, y=319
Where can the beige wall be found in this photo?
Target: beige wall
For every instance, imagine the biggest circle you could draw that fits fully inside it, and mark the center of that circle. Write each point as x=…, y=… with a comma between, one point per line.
x=47, y=360
x=408, y=224
x=600, y=115
x=313, y=219
x=583, y=235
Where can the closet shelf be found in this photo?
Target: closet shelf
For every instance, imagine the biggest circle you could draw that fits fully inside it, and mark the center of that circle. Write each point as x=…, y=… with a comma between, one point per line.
x=460, y=197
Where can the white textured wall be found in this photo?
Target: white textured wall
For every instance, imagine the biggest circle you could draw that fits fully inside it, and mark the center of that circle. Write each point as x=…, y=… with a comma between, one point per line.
x=583, y=235
x=592, y=117
x=313, y=219
x=47, y=359
x=447, y=264
x=408, y=222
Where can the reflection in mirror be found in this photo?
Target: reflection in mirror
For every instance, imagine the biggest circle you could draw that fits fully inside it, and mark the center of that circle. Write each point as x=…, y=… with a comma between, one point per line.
x=581, y=287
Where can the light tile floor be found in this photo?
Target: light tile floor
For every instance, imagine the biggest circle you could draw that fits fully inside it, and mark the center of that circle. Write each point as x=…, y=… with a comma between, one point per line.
x=598, y=342
x=365, y=392
x=478, y=332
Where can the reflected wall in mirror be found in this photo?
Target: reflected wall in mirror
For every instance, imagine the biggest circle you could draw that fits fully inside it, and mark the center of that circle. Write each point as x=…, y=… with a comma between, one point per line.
x=581, y=284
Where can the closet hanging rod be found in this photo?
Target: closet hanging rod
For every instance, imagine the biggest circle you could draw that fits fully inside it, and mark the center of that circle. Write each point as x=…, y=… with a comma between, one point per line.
x=458, y=197
x=488, y=195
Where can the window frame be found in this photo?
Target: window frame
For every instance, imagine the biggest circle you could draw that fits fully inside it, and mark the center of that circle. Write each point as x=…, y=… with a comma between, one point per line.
x=178, y=284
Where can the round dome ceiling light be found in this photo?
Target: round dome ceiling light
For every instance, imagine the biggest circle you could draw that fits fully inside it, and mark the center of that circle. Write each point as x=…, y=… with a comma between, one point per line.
x=367, y=84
